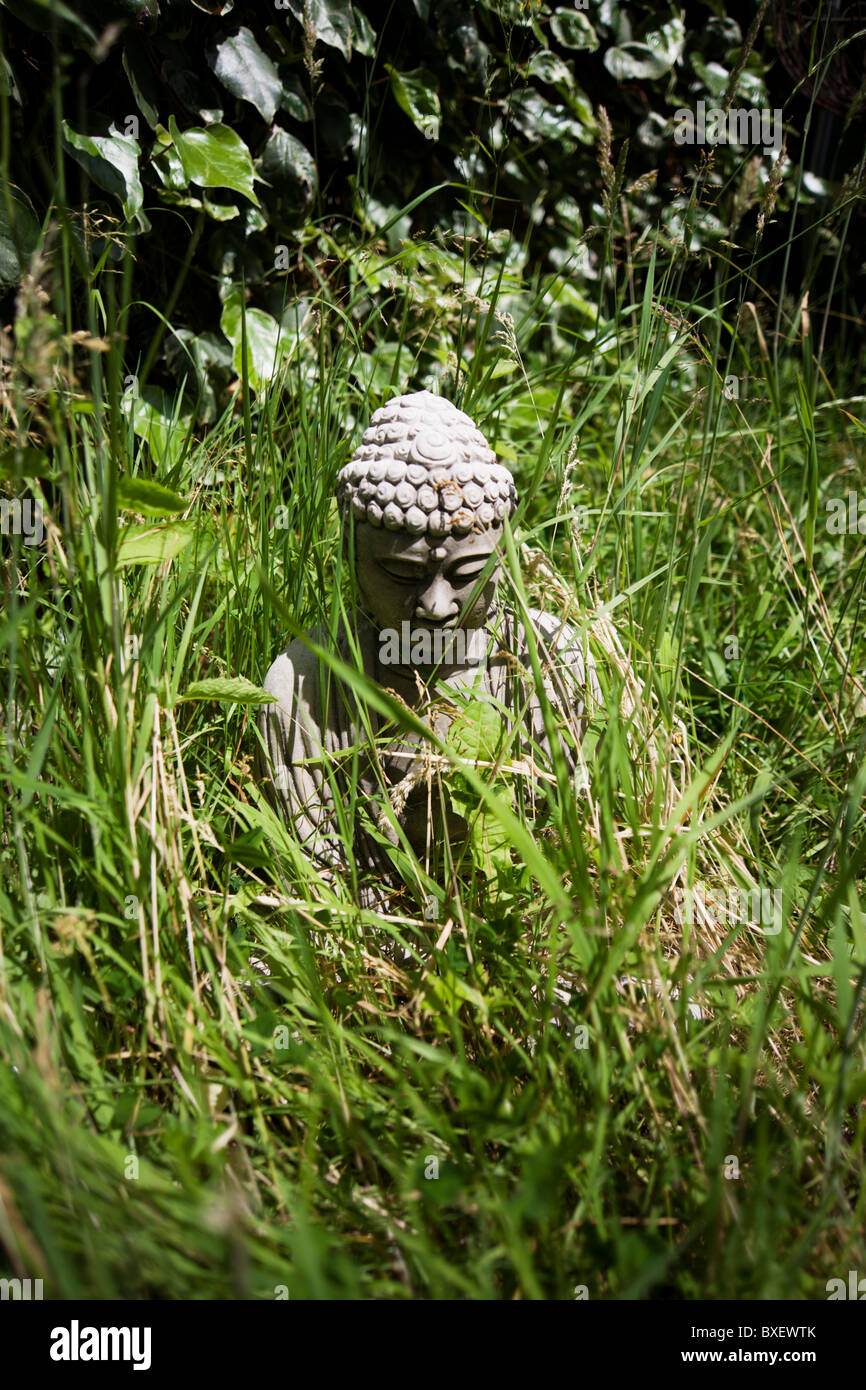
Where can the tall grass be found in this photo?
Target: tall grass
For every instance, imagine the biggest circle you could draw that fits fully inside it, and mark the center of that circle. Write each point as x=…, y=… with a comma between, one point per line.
x=549, y=1069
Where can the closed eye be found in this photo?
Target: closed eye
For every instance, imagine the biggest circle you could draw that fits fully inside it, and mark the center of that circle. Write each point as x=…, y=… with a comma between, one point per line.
x=467, y=574
x=409, y=575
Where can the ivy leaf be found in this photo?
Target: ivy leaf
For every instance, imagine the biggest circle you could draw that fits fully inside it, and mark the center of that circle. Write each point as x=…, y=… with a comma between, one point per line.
x=8, y=85
x=289, y=168
x=294, y=101
x=142, y=84
x=156, y=422
x=169, y=166
x=202, y=363
x=247, y=72
x=547, y=67
x=149, y=498
x=236, y=689
x=540, y=120
x=112, y=162
x=18, y=238
x=331, y=22
x=267, y=341
x=414, y=94
x=215, y=158
x=652, y=58
x=363, y=34
x=573, y=30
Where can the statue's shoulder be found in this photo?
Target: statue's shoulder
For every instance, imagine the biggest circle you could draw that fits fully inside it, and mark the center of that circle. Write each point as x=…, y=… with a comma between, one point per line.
x=298, y=670
x=556, y=634
x=550, y=626
x=296, y=666
x=565, y=645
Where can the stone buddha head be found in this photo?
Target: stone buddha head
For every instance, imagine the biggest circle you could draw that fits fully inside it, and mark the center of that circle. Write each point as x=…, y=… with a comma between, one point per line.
x=428, y=502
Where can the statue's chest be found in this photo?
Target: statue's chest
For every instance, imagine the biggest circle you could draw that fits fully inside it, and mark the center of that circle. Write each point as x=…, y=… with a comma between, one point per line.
x=414, y=776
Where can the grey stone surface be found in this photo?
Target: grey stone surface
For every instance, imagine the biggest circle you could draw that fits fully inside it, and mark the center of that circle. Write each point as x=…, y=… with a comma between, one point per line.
x=424, y=467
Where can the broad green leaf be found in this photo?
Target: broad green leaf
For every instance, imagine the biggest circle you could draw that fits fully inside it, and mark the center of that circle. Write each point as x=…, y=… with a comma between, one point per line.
x=476, y=735
x=331, y=21
x=724, y=34
x=149, y=498
x=714, y=77
x=169, y=168
x=215, y=158
x=204, y=362
x=476, y=732
x=112, y=162
x=220, y=212
x=18, y=238
x=266, y=345
x=247, y=72
x=414, y=94
x=141, y=80
x=363, y=33
x=8, y=85
x=572, y=29
x=547, y=67
x=289, y=168
x=294, y=101
x=539, y=119
x=153, y=420
x=652, y=58
x=237, y=689
x=267, y=341
x=632, y=61
x=142, y=543
x=447, y=993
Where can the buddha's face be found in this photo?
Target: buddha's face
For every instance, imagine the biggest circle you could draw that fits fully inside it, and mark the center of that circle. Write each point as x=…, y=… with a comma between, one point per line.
x=427, y=582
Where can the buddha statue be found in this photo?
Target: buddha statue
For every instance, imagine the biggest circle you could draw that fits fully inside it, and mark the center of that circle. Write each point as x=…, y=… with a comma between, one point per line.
x=423, y=506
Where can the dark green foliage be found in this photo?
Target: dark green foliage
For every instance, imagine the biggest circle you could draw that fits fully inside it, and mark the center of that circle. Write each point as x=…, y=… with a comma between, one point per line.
x=264, y=136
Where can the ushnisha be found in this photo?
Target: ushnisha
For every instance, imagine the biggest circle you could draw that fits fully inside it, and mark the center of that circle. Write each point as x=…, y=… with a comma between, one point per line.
x=423, y=502
x=423, y=467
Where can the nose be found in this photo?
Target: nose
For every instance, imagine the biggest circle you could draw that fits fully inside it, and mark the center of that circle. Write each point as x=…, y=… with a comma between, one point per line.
x=437, y=602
